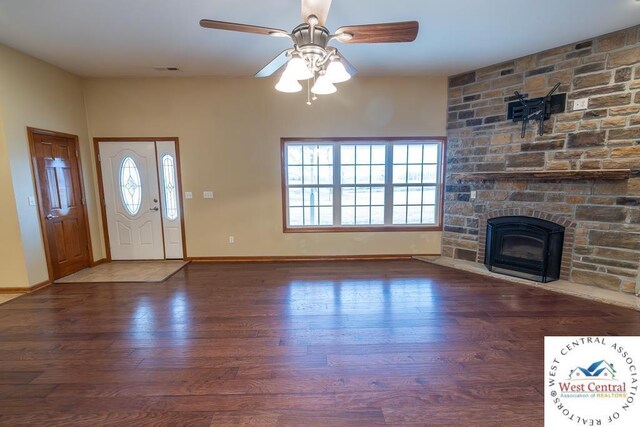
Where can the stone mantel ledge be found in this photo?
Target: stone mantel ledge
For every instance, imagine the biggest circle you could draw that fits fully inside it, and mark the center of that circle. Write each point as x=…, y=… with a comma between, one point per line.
x=541, y=175
x=560, y=286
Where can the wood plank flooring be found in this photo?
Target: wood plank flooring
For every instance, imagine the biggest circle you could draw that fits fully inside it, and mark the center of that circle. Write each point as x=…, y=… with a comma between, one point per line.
x=321, y=343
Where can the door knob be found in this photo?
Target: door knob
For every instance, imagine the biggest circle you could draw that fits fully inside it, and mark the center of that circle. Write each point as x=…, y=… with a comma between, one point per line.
x=155, y=208
x=50, y=217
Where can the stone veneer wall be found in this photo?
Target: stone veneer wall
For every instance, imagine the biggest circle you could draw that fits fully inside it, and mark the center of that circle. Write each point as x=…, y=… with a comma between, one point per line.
x=603, y=217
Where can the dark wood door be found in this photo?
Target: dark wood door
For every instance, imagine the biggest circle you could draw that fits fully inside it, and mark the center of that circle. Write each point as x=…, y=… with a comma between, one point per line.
x=61, y=200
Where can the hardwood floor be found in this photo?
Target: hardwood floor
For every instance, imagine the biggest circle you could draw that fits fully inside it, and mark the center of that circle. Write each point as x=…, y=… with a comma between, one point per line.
x=330, y=343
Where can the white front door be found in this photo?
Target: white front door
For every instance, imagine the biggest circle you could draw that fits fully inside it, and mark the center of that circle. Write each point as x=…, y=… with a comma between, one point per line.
x=132, y=200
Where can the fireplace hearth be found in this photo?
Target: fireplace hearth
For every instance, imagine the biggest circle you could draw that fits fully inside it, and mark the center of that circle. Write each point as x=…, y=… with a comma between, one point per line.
x=525, y=247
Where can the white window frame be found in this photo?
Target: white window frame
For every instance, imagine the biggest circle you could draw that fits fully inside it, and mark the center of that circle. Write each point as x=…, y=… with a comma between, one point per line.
x=388, y=185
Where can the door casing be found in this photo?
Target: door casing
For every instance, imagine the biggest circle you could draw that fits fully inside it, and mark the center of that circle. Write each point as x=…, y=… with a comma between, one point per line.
x=96, y=150
x=31, y=133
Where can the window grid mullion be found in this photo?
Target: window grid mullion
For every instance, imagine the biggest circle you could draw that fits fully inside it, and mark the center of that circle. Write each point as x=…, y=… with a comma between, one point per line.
x=304, y=202
x=337, y=184
x=370, y=185
x=388, y=184
x=314, y=208
x=406, y=180
x=421, y=182
x=439, y=182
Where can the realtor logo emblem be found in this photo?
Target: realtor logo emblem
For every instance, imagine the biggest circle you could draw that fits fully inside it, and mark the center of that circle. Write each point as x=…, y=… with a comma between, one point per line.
x=591, y=381
x=599, y=369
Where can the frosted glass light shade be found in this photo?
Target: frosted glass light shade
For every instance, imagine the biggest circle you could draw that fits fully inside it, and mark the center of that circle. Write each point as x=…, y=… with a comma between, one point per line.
x=297, y=68
x=323, y=86
x=287, y=84
x=336, y=72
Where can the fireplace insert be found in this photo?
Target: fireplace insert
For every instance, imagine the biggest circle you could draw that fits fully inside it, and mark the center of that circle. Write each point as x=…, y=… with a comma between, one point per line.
x=525, y=247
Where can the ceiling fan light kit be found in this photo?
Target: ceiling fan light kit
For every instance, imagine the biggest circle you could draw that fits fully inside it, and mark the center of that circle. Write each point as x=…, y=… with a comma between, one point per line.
x=297, y=69
x=323, y=86
x=336, y=72
x=311, y=57
x=288, y=85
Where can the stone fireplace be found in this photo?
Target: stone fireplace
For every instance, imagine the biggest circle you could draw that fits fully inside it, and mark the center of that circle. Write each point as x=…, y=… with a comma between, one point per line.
x=583, y=173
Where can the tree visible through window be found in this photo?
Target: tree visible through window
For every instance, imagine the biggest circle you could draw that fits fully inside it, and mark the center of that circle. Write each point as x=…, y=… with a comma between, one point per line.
x=350, y=184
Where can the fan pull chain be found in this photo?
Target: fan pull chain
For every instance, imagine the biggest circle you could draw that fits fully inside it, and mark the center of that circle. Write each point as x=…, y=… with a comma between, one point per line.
x=314, y=83
x=308, y=92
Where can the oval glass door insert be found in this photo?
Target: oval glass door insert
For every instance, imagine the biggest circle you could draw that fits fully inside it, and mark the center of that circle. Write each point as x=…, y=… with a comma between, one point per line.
x=130, y=186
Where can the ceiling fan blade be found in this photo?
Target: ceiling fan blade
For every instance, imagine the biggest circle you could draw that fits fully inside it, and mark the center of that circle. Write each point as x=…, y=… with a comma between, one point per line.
x=395, y=32
x=277, y=63
x=243, y=28
x=319, y=8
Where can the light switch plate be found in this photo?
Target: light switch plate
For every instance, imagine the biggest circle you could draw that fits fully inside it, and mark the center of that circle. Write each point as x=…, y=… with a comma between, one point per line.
x=474, y=194
x=32, y=201
x=188, y=195
x=207, y=194
x=581, y=104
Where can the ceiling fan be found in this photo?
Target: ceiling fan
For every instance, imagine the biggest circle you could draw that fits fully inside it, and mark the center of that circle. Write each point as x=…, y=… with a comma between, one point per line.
x=311, y=57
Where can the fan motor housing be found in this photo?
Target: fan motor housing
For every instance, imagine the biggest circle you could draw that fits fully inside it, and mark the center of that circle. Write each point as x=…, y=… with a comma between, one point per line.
x=303, y=35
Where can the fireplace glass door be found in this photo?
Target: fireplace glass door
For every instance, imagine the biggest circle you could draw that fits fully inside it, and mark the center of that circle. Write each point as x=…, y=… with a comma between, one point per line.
x=525, y=247
x=522, y=246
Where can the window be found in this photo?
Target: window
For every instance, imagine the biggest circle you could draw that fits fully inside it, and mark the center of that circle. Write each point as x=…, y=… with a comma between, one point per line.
x=415, y=181
x=169, y=183
x=310, y=184
x=130, y=186
x=362, y=184
x=357, y=184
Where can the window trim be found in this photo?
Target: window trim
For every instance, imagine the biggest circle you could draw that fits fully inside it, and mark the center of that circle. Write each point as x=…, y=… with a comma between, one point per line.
x=366, y=228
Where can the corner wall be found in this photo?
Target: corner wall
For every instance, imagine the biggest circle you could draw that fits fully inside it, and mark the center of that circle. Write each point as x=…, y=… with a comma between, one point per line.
x=13, y=270
x=230, y=130
x=606, y=250
x=34, y=93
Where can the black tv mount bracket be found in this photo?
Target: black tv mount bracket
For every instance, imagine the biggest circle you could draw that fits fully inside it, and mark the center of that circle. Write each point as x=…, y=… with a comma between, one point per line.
x=539, y=109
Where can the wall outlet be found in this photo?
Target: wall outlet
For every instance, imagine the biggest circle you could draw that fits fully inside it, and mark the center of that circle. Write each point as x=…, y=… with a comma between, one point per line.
x=474, y=194
x=32, y=201
x=581, y=104
x=188, y=195
x=207, y=194
x=232, y=239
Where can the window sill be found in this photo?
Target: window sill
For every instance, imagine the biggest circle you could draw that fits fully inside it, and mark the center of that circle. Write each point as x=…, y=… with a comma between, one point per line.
x=363, y=229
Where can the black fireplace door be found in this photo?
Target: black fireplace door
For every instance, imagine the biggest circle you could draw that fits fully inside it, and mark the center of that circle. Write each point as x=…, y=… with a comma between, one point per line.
x=524, y=247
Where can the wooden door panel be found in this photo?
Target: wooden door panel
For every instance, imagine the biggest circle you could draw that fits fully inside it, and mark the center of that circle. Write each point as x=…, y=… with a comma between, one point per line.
x=52, y=196
x=65, y=189
x=57, y=231
x=61, y=151
x=60, y=194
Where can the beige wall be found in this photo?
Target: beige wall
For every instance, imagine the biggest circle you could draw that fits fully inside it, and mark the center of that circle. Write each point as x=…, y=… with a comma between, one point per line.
x=13, y=270
x=34, y=93
x=230, y=132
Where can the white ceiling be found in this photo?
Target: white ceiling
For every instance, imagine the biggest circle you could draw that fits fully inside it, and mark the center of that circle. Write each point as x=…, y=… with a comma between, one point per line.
x=130, y=37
